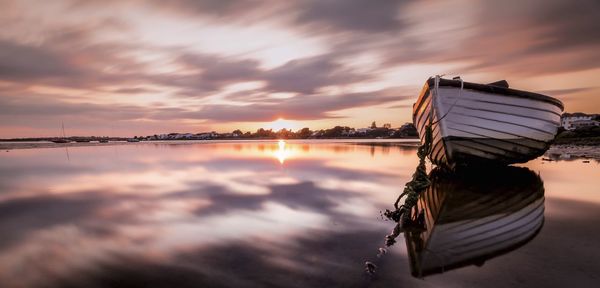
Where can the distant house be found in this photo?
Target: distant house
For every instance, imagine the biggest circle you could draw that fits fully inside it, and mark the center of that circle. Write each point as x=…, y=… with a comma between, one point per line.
x=348, y=131
x=363, y=130
x=203, y=136
x=186, y=136
x=571, y=121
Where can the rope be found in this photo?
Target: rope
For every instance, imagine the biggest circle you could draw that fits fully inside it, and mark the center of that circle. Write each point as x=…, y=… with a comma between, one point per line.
x=420, y=180
x=412, y=189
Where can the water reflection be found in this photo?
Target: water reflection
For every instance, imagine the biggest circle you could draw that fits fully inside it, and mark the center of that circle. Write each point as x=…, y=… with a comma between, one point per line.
x=232, y=215
x=179, y=214
x=469, y=217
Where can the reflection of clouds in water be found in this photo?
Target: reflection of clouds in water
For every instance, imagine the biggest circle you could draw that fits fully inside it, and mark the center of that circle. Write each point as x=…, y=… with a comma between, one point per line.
x=326, y=259
x=221, y=216
x=300, y=196
x=87, y=214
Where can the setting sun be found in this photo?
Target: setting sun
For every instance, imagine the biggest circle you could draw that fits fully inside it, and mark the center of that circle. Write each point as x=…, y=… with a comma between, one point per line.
x=281, y=123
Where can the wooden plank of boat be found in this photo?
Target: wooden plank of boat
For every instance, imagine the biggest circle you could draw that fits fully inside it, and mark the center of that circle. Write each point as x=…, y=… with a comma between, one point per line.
x=479, y=123
x=471, y=217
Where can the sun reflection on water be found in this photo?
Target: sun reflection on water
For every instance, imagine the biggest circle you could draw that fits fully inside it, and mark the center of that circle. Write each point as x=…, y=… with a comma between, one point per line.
x=282, y=152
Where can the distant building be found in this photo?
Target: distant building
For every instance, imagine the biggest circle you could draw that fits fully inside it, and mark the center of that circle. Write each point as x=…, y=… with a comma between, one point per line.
x=571, y=121
x=203, y=136
x=363, y=130
x=348, y=131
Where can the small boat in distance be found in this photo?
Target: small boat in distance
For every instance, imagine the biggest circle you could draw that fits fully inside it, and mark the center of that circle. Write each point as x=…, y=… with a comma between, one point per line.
x=62, y=139
x=484, y=123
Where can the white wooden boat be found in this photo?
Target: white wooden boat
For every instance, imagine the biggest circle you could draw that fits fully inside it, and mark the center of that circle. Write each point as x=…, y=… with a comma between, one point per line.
x=469, y=218
x=485, y=123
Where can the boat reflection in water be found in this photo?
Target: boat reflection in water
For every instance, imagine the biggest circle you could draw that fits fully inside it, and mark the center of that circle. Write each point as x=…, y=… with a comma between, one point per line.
x=469, y=217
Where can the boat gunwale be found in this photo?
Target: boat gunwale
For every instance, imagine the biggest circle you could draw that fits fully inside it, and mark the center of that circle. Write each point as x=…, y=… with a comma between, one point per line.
x=496, y=90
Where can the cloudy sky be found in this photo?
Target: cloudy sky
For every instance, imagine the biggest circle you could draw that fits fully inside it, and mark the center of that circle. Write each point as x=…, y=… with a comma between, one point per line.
x=116, y=67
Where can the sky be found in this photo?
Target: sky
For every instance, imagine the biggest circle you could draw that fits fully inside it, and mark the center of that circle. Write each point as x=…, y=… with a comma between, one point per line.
x=133, y=67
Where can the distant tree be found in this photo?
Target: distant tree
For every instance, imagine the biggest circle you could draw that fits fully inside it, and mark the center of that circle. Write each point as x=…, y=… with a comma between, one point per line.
x=262, y=133
x=406, y=130
x=337, y=131
x=387, y=125
x=303, y=133
x=373, y=125
x=379, y=132
x=237, y=132
x=285, y=134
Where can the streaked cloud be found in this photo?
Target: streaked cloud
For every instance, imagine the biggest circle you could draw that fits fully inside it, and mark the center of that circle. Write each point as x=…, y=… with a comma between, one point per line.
x=210, y=63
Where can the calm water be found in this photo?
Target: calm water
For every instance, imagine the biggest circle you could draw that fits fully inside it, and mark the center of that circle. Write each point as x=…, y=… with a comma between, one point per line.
x=296, y=214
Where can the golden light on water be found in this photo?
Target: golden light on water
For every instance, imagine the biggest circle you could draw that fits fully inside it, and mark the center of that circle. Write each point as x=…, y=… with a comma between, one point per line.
x=282, y=153
x=281, y=144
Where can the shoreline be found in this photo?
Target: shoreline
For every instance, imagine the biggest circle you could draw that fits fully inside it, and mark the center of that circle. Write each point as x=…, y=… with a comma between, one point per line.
x=569, y=152
x=556, y=152
x=7, y=146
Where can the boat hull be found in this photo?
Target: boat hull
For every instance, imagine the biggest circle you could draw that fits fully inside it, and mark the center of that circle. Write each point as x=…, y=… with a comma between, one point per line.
x=482, y=124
